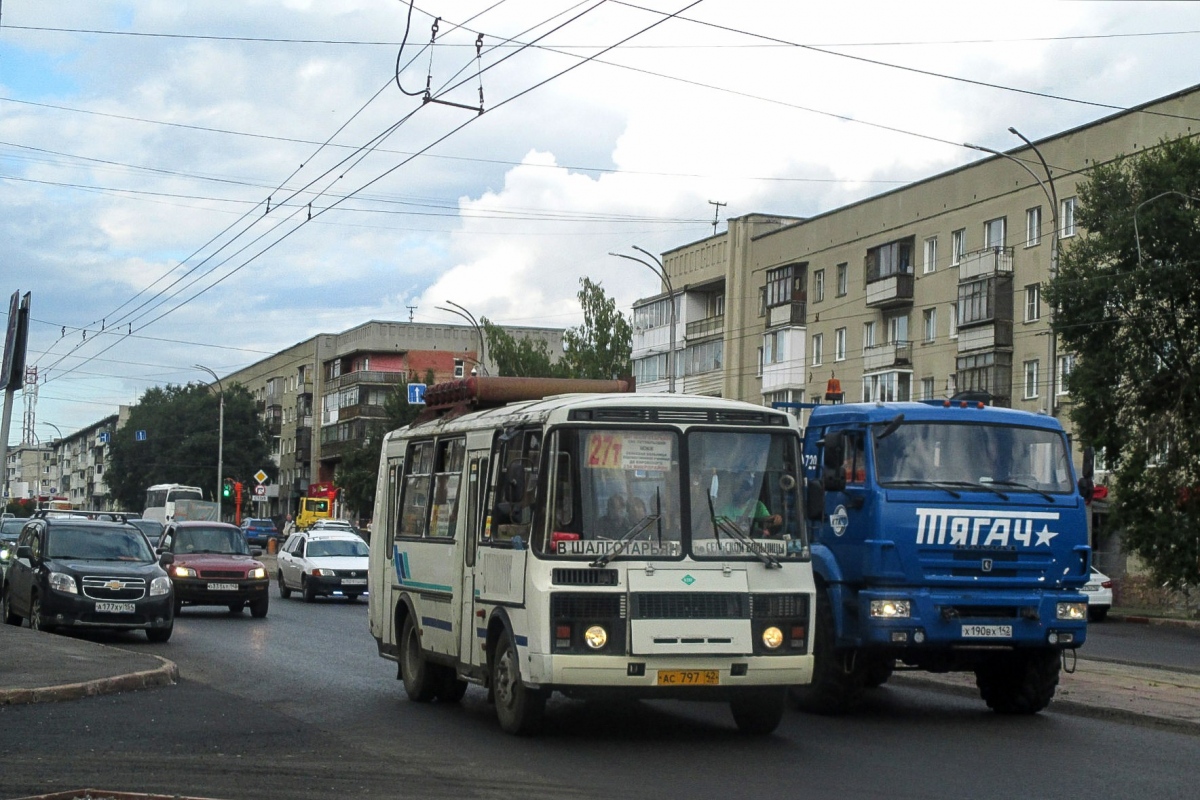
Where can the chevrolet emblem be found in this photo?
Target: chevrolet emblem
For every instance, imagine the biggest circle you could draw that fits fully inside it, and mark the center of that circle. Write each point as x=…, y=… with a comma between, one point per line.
x=113, y=586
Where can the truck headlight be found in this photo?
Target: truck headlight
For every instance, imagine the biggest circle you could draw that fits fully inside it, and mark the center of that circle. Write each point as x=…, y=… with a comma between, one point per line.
x=596, y=637
x=1072, y=611
x=891, y=609
x=62, y=582
x=772, y=638
x=160, y=586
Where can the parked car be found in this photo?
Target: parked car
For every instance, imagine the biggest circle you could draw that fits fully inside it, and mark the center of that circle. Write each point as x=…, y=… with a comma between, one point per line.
x=323, y=562
x=10, y=529
x=73, y=572
x=214, y=567
x=1099, y=594
x=259, y=530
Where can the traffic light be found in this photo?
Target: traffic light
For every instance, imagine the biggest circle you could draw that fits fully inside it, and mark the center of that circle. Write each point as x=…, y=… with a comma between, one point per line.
x=227, y=488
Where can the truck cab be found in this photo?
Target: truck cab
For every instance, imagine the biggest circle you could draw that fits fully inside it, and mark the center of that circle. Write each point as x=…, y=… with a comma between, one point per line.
x=953, y=537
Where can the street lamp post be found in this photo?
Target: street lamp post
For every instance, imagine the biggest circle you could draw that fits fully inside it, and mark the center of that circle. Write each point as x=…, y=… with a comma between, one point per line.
x=1052, y=199
x=220, y=432
x=661, y=272
x=469, y=317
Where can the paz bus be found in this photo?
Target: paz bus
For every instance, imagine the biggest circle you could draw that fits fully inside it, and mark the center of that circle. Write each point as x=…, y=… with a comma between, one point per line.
x=161, y=497
x=550, y=535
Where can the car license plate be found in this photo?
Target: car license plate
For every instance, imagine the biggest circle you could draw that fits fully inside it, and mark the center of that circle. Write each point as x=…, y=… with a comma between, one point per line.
x=987, y=631
x=689, y=677
x=114, y=608
x=1091, y=588
x=222, y=587
x=354, y=581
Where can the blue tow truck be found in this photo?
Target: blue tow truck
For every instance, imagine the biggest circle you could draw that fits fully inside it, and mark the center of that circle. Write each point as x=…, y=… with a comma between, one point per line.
x=953, y=537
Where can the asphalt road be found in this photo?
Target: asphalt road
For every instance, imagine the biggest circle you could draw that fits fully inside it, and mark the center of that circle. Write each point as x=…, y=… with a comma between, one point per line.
x=298, y=705
x=1144, y=645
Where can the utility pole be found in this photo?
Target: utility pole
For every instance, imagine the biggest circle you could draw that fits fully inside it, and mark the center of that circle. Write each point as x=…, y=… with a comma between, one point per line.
x=716, y=212
x=411, y=309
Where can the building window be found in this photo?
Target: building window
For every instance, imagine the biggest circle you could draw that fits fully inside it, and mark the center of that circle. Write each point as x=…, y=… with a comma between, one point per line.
x=929, y=318
x=459, y=368
x=887, y=260
x=868, y=335
x=1031, y=379
x=953, y=333
x=897, y=329
x=719, y=305
x=958, y=246
x=993, y=233
x=1033, y=226
x=1033, y=295
x=784, y=285
x=976, y=301
x=1066, y=218
x=842, y=279
x=818, y=345
x=705, y=357
x=930, y=255
x=1066, y=365
x=887, y=387
x=760, y=361
x=818, y=286
x=927, y=388
x=775, y=347
x=839, y=344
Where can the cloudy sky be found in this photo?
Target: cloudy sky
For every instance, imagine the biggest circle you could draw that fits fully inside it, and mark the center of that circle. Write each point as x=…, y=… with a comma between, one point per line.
x=208, y=182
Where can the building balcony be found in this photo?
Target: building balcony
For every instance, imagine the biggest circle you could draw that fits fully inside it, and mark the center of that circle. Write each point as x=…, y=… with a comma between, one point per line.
x=788, y=314
x=365, y=376
x=361, y=411
x=893, y=291
x=989, y=261
x=709, y=326
x=988, y=336
x=886, y=356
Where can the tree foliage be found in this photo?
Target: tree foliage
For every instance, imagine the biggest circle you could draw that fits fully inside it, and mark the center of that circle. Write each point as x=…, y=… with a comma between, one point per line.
x=1127, y=295
x=603, y=345
x=182, y=425
x=522, y=357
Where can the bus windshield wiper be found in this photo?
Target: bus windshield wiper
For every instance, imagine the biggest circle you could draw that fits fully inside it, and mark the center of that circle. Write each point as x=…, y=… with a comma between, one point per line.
x=945, y=487
x=623, y=542
x=727, y=525
x=1026, y=486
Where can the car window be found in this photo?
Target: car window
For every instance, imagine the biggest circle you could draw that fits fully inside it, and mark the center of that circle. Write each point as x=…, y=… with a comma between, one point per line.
x=330, y=548
x=297, y=548
x=102, y=544
x=210, y=540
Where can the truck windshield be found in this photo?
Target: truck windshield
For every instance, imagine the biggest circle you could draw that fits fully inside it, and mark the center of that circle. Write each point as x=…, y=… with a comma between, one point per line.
x=744, y=495
x=961, y=454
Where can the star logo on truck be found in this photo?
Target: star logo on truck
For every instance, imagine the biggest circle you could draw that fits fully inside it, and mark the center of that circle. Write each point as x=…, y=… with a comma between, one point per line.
x=1045, y=535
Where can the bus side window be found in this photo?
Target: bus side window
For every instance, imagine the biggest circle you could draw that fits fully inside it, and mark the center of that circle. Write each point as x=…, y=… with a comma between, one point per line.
x=414, y=513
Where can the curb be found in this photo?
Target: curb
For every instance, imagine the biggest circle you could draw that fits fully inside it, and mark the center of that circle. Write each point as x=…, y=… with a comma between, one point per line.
x=166, y=674
x=1166, y=622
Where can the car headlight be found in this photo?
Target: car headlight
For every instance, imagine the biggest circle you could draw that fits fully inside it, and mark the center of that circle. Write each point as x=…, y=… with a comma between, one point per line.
x=185, y=572
x=772, y=638
x=891, y=609
x=160, y=586
x=596, y=637
x=1072, y=611
x=62, y=582
x=258, y=573
x=317, y=572
x=5, y=554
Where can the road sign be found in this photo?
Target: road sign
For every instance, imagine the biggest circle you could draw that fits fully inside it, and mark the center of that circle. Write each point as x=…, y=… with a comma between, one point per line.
x=261, y=477
x=105, y=437
x=260, y=491
x=416, y=394
x=139, y=436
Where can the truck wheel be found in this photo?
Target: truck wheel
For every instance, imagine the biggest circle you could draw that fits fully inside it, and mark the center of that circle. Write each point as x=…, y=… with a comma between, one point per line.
x=518, y=707
x=1019, y=683
x=834, y=689
x=417, y=673
x=758, y=712
x=876, y=672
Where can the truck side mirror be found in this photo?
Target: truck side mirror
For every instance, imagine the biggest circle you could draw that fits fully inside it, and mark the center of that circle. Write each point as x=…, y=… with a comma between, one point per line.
x=814, y=500
x=832, y=477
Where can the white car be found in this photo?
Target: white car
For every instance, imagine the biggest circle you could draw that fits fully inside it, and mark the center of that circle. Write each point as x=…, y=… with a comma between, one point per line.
x=323, y=563
x=1099, y=594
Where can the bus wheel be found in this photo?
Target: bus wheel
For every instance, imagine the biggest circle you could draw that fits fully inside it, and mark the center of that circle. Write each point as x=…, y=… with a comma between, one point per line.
x=518, y=707
x=450, y=689
x=758, y=711
x=417, y=673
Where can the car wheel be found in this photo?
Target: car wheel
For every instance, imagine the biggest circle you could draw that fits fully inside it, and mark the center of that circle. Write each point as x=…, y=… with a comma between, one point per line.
x=178, y=606
x=6, y=609
x=419, y=677
x=310, y=591
x=518, y=708
x=284, y=591
x=258, y=608
x=353, y=598
x=236, y=608
x=159, y=634
x=36, y=620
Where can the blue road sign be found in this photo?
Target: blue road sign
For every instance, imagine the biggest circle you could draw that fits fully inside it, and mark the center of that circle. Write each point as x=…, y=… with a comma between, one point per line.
x=139, y=436
x=105, y=437
x=416, y=394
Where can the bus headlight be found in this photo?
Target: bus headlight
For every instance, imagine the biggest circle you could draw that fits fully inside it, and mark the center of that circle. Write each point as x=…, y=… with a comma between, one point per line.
x=1072, y=611
x=596, y=637
x=891, y=609
x=772, y=638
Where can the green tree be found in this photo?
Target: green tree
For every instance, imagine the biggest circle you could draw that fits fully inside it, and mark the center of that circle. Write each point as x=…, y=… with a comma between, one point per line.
x=356, y=474
x=518, y=357
x=181, y=425
x=602, y=346
x=1127, y=300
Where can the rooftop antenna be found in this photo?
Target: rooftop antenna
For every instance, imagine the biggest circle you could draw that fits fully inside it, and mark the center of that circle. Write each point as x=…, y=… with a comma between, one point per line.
x=716, y=211
x=411, y=309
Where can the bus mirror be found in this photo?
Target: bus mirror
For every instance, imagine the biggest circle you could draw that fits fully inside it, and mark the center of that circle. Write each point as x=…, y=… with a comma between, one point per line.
x=514, y=482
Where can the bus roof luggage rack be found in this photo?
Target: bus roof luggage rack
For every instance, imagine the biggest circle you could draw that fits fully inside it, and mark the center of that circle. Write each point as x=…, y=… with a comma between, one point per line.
x=473, y=394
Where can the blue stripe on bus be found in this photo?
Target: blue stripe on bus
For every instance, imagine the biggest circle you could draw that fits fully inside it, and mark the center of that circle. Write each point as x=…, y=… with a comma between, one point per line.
x=522, y=641
x=404, y=574
x=481, y=633
x=434, y=622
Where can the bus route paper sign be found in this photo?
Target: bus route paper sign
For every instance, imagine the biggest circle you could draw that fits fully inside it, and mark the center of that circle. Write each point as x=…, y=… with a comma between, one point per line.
x=629, y=451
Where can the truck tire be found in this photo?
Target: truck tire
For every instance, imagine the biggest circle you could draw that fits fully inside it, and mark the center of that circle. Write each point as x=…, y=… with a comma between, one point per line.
x=876, y=671
x=758, y=712
x=834, y=690
x=1022, y=682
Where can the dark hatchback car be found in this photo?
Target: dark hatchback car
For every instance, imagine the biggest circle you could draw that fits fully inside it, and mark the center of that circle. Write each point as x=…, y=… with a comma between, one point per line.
x=259, y=530
x=70, y=572
x=10, y=529
x=212, y=566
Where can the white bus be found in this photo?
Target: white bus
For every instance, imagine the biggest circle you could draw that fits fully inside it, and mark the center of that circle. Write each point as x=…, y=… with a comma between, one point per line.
x=605, y=544
x=161, y=498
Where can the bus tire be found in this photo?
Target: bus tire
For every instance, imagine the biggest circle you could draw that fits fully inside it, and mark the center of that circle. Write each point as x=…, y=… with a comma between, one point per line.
x=834, y=688
x=416, y=672
x=758, y=712
x=1022, y=682
x=450, y=688
x=518, y=708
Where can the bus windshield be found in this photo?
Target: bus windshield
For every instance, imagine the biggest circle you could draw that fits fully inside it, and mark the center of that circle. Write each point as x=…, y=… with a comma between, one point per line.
x=961, y=454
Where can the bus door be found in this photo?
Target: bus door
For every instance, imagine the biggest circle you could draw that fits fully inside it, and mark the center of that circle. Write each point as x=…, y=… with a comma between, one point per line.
x=473, y=499
x=508, y=526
